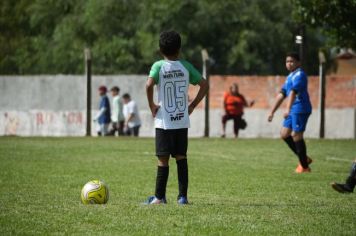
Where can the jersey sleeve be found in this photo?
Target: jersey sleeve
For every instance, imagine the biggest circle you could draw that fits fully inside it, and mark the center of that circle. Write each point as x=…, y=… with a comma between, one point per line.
x=284, y=90
x=299, y=82
x=154, y=72
x=194, y=75
x=131, y=108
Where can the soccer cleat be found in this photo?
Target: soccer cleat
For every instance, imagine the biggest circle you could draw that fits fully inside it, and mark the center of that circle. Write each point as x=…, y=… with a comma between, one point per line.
x=153, y=200
x=299, y=168
x=182, y=200
x=302, y=170
x=341, y=188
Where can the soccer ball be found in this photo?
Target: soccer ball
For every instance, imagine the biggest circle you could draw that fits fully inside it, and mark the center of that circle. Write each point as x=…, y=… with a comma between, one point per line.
x=95, y=192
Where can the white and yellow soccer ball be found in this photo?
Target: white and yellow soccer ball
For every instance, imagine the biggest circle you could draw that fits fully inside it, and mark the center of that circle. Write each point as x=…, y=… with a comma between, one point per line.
x=95, y=192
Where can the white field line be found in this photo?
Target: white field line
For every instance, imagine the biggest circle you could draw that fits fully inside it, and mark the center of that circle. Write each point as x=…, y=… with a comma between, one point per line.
x=211, y=154
x=337, y=159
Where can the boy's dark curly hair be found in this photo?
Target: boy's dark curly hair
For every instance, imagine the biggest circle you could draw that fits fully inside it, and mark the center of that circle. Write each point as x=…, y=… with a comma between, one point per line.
x=293, y=55
x=169, y=43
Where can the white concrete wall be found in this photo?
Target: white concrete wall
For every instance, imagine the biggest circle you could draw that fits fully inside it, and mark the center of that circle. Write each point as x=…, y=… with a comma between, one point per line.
x=55, y=106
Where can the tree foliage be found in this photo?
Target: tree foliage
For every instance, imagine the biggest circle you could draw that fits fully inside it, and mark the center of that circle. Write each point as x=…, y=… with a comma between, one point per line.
x=336, y=18
x=241, y=36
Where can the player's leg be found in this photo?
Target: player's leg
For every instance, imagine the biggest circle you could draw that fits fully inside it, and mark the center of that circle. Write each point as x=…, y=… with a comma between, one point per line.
x=350, y=183
x=299, y=122
x=105, y=129
x=286, y=134
x=121, y=128
x=237, y=120
x=162, y=177
x=136, y=130
x=182, y=171
x=128, y=131
x=113, y=129
x=163, y=146
x=224, y=119
x=101, y=132
x=301, y=149
x=180, y=153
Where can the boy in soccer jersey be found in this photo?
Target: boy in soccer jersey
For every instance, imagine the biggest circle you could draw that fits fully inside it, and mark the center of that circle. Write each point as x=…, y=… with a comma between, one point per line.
x=117, y=116
x=172, y=77
x=349, y=185
x=132, y=117
x=103, y=117
x=295, y=89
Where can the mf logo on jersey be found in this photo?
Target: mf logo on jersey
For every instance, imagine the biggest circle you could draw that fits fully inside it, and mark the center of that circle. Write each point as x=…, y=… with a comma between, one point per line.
x=178, y=116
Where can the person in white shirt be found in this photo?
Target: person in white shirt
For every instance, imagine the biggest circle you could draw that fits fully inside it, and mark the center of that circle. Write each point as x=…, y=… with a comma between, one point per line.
x=132, y=117
x=117, y=115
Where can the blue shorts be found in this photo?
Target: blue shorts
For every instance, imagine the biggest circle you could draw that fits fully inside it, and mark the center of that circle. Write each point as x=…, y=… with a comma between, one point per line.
x=296, y=122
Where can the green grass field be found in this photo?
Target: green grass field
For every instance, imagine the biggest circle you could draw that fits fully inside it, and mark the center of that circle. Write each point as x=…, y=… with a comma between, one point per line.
x=237, y=187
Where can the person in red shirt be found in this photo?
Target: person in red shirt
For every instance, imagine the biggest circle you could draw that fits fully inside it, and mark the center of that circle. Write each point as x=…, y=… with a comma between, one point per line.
x=234, y=104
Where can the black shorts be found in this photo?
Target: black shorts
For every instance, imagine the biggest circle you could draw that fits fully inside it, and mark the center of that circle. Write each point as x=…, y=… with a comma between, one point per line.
x=171, y=142
x=133, y=131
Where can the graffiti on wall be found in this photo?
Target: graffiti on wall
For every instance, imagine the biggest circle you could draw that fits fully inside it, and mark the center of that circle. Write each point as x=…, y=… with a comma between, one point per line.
x=44, y=118
x=12, y=123
x=42, y=123
x=67, y=118
x=74, y=118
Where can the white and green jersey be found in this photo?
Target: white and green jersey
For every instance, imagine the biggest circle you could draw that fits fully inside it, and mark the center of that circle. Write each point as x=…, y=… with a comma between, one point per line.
x=172, y=79
x=117, y=108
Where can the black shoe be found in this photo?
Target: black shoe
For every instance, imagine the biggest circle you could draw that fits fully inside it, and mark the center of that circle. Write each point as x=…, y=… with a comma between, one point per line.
x=341, y=188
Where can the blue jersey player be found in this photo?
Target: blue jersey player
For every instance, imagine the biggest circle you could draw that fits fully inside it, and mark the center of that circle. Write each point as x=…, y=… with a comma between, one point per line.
x=295, y=89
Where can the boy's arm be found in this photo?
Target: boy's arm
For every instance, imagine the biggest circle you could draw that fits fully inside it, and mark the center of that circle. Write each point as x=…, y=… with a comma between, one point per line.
x=203, y=90
x=131, y=116
x=100, y=113
x=279, y=99
x=247, y=104
x=149, y=91
x=290, y=102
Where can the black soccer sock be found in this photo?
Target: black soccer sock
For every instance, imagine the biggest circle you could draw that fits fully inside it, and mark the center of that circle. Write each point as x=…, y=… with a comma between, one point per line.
x=161, y=181
x=182, y=170
x=291, y=144
x=351, y=180
x=302, y=153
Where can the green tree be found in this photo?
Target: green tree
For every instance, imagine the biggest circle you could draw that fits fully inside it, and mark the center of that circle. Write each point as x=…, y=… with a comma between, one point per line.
x=242, y=37
x=336, y=19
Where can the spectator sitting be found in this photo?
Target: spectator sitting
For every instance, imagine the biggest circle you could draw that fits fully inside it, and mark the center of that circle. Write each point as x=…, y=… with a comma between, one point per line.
x=234, y=104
